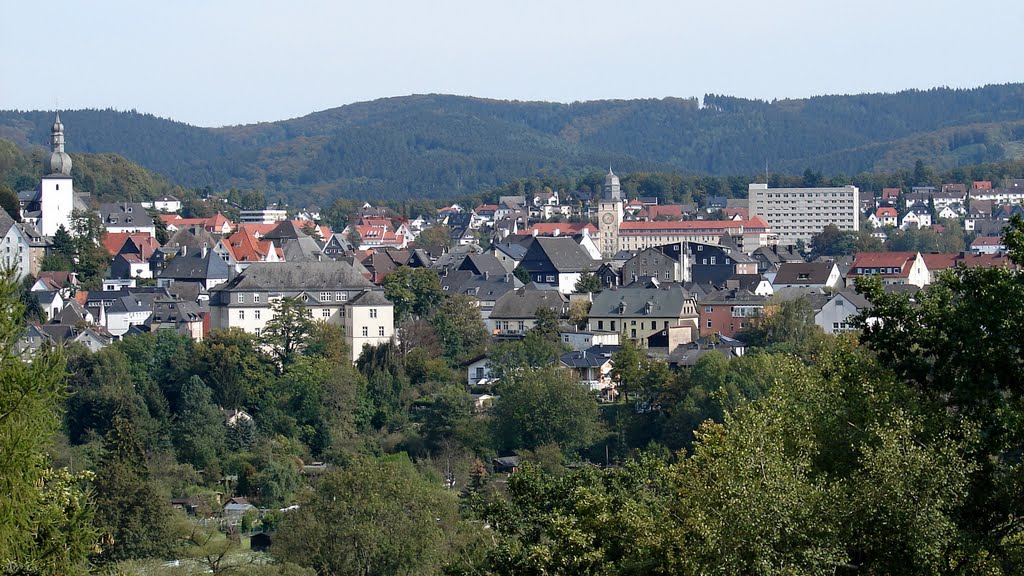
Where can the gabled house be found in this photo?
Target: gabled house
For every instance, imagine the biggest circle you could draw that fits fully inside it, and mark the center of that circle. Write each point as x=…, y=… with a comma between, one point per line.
x=591, y=367
x=988, y=245
x=640, y=313
x=557, y=263
x=205, y=268
x=884, y=216
x=918, y=216
x=808, y=275
x=837, y=314
x=14, y=247
x=127, y=217
x=516, y=312
x=892, y=267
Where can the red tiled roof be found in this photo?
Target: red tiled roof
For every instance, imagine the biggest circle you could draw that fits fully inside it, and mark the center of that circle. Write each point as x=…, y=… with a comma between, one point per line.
x=901, y=260
x=564, y=228
x=984, y=260
x=936, y=262
x=114, y=241
x=731, y=213
x=246, y=247
x=890, y=193
x=886, y=212
x=673, y=211
x=987, y=241
x=982, y=185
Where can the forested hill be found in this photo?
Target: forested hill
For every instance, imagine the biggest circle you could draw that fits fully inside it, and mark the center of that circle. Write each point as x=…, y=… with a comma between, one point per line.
x=437, y=145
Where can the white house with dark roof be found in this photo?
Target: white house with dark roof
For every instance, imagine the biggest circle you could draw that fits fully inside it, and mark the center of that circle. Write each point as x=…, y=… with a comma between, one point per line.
x=836, y=315
x=130, y=217
x=14, y=247
x=557, y=262
x=807, y=275
x=333, y=292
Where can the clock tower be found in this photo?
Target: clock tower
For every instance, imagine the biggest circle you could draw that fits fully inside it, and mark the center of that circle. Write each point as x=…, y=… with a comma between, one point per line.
x=609, y=215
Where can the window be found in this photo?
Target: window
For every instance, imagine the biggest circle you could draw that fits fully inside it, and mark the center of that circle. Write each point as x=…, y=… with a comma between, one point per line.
x=258, y=331
x=600, y=324
x=479, y=372
x=633, y=323
x=256, y=298
x=326, y=296
x=522, y=326
x=373, y=312
x=366, y=331
x=712, y=260
x=666, y=323
x=709, y=322
x=613, y=325
x=326, y=313
x=256, y=314
x=551, y=278
x=241, y=298
x=380, y=331
x=708, y=309
x=241, y=314
x=344, y=296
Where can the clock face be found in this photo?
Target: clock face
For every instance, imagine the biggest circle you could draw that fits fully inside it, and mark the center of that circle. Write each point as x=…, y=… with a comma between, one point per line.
x=608, y=218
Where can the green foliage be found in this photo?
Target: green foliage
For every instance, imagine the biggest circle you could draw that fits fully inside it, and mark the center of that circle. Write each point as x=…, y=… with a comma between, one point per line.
x=285, y=333
x=9, y=203
x=374, y=516
x=787, y=326
x=544, y=405
x=435, y=240
x=199, y=431
x=522, y=274
x=413, y=291
x=443, y=143
x=44, y=514
x=460, y=328
x=588, y=282
x=130, y=510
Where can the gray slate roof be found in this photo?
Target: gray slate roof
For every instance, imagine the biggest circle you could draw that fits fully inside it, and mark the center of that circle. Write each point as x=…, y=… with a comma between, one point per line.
x=632, y=302
x=590, y=358
x=196, y=267
x=803, y=272
x=370, y=298
x=523, y=303
x=327, y=275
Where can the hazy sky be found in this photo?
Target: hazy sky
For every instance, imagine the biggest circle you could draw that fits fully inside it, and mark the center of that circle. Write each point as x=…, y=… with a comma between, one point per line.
x=212, y=63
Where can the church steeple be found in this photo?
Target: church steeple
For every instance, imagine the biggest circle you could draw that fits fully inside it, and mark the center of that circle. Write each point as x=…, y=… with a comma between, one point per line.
x=59, y=162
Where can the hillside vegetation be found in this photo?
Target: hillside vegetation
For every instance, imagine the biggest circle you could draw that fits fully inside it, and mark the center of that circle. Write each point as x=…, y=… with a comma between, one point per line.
x=438, y=145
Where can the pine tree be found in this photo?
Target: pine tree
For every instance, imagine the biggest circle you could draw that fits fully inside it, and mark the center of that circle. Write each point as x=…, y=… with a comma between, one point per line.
x=199, y=431
x=131, y=511
x=44, y=515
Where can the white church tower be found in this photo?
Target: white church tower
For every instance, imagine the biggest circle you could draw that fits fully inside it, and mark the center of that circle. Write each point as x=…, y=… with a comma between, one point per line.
x=56, y=193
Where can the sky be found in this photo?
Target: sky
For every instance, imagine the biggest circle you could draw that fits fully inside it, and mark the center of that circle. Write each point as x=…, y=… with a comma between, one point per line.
x=215, y=63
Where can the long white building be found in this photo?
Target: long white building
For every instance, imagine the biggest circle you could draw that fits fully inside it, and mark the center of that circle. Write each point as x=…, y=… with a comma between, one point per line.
x=799, y=213
x=333, y=292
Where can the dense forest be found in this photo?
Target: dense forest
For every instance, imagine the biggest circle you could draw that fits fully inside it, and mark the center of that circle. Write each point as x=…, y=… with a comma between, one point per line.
x=444, y=146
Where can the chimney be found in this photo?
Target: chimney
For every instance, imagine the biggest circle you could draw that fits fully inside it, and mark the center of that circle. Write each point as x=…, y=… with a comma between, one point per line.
x=205, y=249
x=534, y=231
x=184, y=250
x=487, y=275
x=557, y=232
